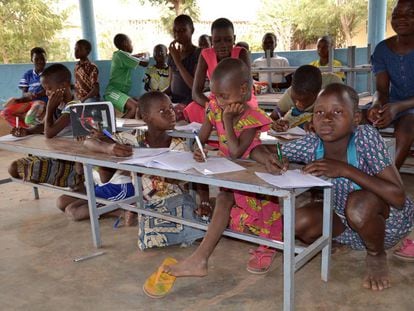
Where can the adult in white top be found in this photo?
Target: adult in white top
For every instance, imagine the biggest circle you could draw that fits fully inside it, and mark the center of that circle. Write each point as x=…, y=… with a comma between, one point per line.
x=279, y=80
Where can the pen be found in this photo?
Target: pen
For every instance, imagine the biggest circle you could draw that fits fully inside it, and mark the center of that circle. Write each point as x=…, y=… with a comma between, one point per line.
x=109, y=135
x=279, y=152
x=17, y=122
x=200, y=146
x=88, y=256
x=278, y=113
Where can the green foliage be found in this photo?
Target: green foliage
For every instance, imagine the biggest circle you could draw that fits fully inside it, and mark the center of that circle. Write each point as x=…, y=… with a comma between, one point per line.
x=26, y=24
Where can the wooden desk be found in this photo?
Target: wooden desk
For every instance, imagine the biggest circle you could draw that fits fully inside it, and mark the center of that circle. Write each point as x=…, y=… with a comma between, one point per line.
x=294, y=257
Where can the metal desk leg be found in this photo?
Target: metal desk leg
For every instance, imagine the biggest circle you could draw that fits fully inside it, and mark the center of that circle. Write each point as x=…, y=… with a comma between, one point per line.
x=289, y=253
x=137, y=181
x=327, y=232
x=36, y=193
x=93, y=215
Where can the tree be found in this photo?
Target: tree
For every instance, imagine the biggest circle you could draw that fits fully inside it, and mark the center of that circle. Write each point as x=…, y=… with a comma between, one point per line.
x=26, y=24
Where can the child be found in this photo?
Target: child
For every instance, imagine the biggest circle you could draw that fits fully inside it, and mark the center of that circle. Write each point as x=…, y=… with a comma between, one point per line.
x=156, y=76
x=120, y=76
x=204, y=42
x=296, y=106
x=243, y=44
x=33, y=93
x=56, y=81
x=323, y=47
x=393, y=102
x=222, y=36
x=86, y=74
x=182, y=63
x=372, y=211
x=238, y=128
x=269, y=44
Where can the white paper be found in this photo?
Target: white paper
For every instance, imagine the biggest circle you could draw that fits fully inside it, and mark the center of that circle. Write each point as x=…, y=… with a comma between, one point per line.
x=143, y=155
x=121, y=122
x=297, y=131
x=217, y=166
x=189, y=127
x=10, y=137
x=293, y=179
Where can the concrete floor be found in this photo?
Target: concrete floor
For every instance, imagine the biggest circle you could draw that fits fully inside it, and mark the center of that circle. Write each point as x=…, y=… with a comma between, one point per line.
x=37, y=272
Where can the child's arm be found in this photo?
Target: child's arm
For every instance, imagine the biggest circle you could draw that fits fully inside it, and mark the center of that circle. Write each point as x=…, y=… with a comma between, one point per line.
x=267, y=155
x=52, y=127
x=112, y=149
x=20, y=131
x=387, y=184
x=176, y=55
x=199, y=80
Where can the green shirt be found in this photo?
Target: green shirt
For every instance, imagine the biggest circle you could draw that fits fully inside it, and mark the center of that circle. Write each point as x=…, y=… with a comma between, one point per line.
x=121, y=70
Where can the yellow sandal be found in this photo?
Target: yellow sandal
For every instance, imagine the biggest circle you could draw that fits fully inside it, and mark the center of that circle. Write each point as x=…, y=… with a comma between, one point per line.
x=160, y=283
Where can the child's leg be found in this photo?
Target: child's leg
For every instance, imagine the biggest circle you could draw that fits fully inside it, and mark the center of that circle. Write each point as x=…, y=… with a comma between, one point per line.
x=77, y=210
x=63, y=201
x=404, y=136
x=131, y=107
x=13, y=171
x=205, y=208
x=14, y=110
x=122, y=102
x=196, y=264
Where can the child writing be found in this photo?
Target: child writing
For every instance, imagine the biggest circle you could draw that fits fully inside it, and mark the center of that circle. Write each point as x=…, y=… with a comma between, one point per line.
x=296, y=105
x=120, y=76
x=156, y=76
x=86, y=74
x=222, y=37
x=33, y=93
x=372, y=211
x=238, y=128
x=393, y=102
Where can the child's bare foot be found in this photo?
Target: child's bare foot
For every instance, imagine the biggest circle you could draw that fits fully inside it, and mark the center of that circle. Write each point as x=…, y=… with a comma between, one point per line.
x=377, y=276
x=191, y=266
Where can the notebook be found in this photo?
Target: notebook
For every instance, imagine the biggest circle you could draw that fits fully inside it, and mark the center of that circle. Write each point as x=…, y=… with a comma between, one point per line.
x=87, y=116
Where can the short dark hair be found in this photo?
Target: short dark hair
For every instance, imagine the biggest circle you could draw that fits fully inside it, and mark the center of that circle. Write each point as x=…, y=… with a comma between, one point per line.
x=269, y=34
x=339, y=90
x=147, y=100
x=233, y=69
x=185, y=19
x=119, y=40
x=327, y=39
x=86, y=44
x=37, y=50
x=58, y=73
x=307, y=79
x=222, y=23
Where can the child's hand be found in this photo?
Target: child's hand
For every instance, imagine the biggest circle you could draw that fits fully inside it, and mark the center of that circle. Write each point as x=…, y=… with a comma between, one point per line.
x=280, y=125
x=19, y=131
x=373, y=114
x=308, y=127
x=55, y=99
x=198, y=156
x=118, y=150
x=326, y=167
x=175, y=51
x=233, y=110
x=274, y=166
x=387, y=113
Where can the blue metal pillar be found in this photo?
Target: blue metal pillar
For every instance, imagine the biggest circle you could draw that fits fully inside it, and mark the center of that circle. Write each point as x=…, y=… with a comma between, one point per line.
x=377, y=19
x=88, y=25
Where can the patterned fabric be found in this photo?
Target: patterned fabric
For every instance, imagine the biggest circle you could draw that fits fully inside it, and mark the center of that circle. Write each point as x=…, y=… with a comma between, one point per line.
x=156, y=79
x=335, y=63
x=260, y=214
x=86, y=76
x=373, y=158
x=295, y=117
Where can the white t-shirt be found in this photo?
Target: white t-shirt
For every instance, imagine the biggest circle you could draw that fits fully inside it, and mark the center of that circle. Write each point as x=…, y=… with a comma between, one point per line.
x=275, y=61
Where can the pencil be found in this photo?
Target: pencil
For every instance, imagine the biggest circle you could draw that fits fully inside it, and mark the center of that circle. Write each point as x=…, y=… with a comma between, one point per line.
x=279, y=152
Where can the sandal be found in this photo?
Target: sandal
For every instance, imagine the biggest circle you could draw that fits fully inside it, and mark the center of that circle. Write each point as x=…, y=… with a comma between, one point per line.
x=204, y=210
x=261, y=260
x=160, y=283
x=406, y=251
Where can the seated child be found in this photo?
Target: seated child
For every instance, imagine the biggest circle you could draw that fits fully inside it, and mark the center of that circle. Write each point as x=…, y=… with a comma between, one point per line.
x=296, y=106
x=238, y=128
x=323, y=47
x=269, y=44
x=86, y=74
x=204, y=42
x=120, y=76
x=156, y=76
x=372, y=211
x=33, y=93
x=56, y=80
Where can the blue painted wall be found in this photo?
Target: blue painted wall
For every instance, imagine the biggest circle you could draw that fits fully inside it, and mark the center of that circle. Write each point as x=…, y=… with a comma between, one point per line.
x=11, y=74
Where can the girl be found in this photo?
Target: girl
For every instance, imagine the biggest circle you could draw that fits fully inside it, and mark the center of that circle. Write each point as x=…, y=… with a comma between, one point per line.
x=238, y=127
x=372, y=211
x=222, y=37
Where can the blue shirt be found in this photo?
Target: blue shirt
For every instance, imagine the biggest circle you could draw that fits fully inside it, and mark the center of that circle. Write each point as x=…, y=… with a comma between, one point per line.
x=400, y=69
x=31, y=80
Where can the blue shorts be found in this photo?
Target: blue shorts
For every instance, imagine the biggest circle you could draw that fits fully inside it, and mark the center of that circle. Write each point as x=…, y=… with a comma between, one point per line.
x=114, y=192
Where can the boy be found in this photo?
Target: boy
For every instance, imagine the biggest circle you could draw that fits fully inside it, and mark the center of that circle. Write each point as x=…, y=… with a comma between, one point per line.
x=86, y=74
x=296, y=106
x=120, y=76
x=156, y=76
x=269, y=43
x=32, y=91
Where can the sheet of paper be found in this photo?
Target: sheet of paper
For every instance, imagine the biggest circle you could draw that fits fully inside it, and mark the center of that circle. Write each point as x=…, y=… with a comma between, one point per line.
x=189, y=127
x=142, y=156
x=10, y=137
x=297, y=131
x=217, y=166
x=121, y=122
x=293, y=179
x=174, y=160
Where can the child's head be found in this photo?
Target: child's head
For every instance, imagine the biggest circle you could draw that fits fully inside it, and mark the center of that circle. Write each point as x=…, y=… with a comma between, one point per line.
x=269, y=41
x=183, y=29
x=157, y=110
x=402, y=18
x=204, y=41
x=38, y=58
x=123, y=43
x=222, y=37
x=160, y=54
x=56, y=77
x=231, y=82
x=306, y=84
x=82, y=49
x=243, y=44
x=323, y=46
x=336, y=112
